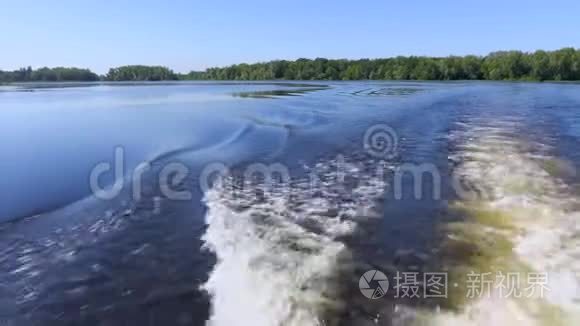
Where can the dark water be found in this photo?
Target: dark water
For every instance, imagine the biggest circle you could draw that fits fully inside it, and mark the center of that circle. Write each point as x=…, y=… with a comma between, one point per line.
x=68, y=258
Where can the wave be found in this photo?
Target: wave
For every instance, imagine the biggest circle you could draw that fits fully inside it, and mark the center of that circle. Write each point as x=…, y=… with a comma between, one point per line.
x=522, y=202
x=281, y=258
x=290, y=257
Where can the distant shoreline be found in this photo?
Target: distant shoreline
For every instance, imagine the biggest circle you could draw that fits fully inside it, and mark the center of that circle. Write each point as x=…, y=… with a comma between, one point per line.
x=560, y=65
x=278, y=82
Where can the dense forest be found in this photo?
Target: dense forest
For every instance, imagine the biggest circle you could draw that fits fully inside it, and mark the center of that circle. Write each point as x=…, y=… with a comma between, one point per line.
x=47, y=74
x=140, y=73
x=560, y=65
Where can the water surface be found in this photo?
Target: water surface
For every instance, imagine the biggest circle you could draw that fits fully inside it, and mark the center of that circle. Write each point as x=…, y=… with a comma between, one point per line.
x=69, y=258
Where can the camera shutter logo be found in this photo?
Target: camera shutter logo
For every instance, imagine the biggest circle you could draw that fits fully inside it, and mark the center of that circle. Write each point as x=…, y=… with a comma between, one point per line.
x=373, y=284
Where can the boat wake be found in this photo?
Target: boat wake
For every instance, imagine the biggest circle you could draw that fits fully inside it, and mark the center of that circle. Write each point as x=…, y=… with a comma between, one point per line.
x=281, y=258
x=529, y=218
x=290, y=256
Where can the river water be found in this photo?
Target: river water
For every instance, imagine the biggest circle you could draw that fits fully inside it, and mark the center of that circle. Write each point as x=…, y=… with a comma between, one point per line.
x=264, y=203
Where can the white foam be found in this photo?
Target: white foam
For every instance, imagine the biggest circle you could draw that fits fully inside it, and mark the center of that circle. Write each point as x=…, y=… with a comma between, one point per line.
x=275, y=273
x=279, y=260
x=539, y=205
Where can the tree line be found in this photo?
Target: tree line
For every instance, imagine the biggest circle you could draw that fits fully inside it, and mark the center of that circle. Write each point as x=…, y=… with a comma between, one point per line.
x=124, y=73
x=559, y=65
x=140, y=73
x=47, y=74
x=563, y=64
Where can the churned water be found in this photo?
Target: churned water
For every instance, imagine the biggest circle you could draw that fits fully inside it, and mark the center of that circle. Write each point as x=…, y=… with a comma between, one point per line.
x=265, y=203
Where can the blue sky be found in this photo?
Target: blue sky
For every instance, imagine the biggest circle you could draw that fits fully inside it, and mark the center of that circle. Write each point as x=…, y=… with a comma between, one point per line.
x=186, y=35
